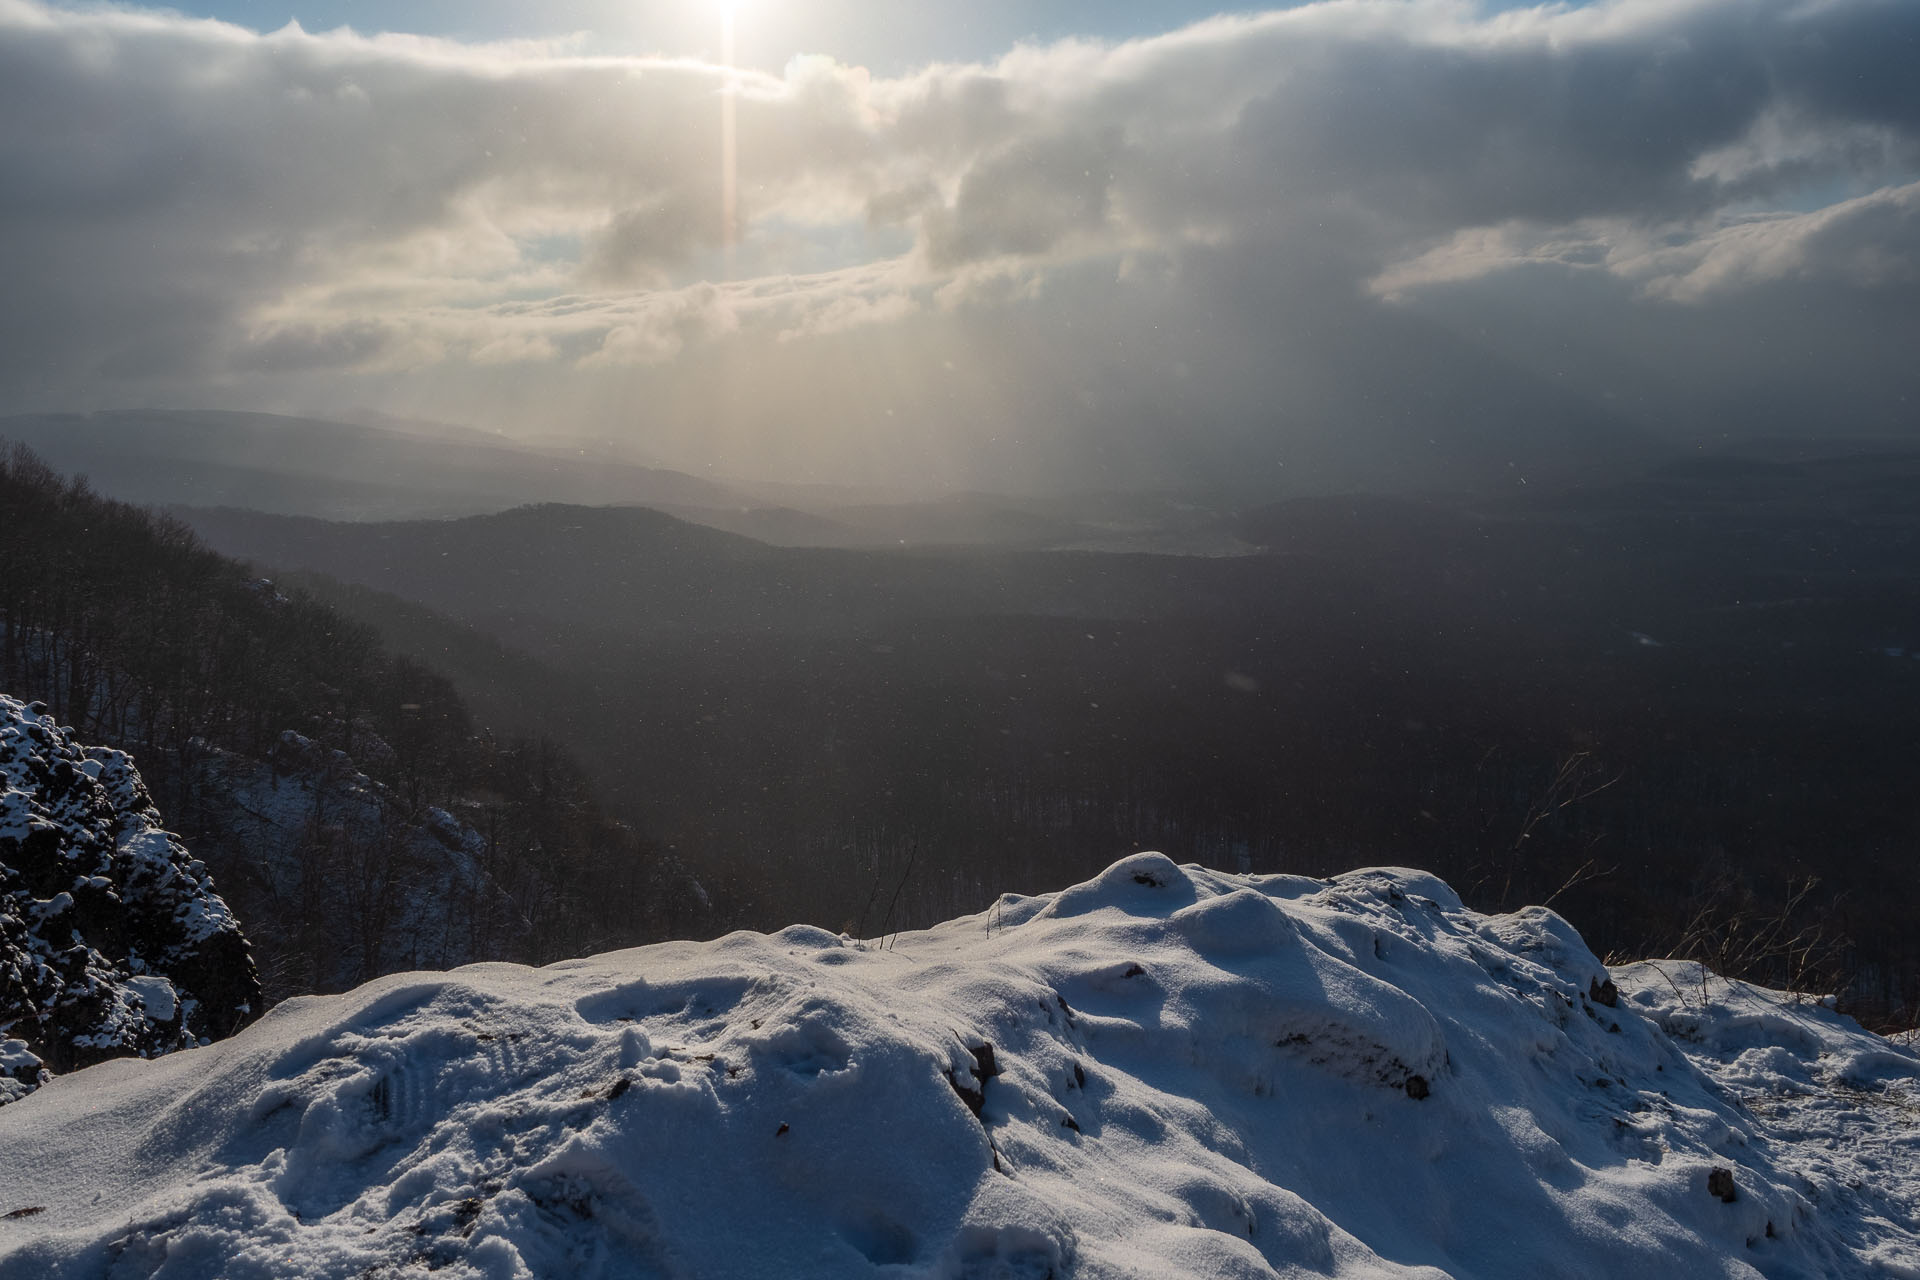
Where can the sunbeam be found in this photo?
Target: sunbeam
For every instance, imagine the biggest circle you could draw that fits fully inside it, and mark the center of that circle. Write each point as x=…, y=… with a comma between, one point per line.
x=729, y=144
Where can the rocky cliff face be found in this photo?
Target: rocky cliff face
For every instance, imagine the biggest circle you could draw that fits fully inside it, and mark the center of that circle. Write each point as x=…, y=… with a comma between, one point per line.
x=113, y=942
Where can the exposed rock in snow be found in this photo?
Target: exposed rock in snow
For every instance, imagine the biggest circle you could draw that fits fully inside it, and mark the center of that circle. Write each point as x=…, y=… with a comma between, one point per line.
x=1165, y=1071
x=112, y=939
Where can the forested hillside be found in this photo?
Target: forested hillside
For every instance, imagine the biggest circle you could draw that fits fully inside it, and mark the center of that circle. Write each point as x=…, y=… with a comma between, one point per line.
x=354, y=815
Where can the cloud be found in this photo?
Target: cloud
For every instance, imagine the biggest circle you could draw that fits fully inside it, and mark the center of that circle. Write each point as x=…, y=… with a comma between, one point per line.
x=1340, y=221
x=661, y=328
x=1868, y=243
x=1026, y=199
x=642, y=244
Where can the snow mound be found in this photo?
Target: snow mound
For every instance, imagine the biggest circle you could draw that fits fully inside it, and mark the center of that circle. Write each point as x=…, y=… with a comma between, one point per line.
x=112, y=939
x=1165, y=1071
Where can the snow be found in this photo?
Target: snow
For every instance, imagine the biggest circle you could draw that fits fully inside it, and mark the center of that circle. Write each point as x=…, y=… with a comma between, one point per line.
x=156, y=995
x=1838, y=1110
x=1163, y=1072
x=21, y=1070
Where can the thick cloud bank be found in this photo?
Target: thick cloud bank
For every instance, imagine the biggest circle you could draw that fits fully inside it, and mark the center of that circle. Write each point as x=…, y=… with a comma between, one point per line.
x=1400, y=232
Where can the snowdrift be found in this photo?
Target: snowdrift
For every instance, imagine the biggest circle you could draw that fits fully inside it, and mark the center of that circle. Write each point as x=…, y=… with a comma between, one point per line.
x=1165, y=1071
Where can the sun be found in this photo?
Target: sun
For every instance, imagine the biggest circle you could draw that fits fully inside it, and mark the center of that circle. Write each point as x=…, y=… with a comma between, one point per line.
x=727, y=13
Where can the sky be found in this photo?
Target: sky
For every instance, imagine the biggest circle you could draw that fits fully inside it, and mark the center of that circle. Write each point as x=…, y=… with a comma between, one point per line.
x=1361, y=242
x=891, y=37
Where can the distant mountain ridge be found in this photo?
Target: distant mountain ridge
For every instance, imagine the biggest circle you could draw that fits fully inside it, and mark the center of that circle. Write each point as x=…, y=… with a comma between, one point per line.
x=548, y=574
x=342, y=471
x=385, y=469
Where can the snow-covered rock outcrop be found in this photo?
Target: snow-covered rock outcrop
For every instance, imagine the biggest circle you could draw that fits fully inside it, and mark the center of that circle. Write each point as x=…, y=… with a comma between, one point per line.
x=1162, y=1072
x=112, y=939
